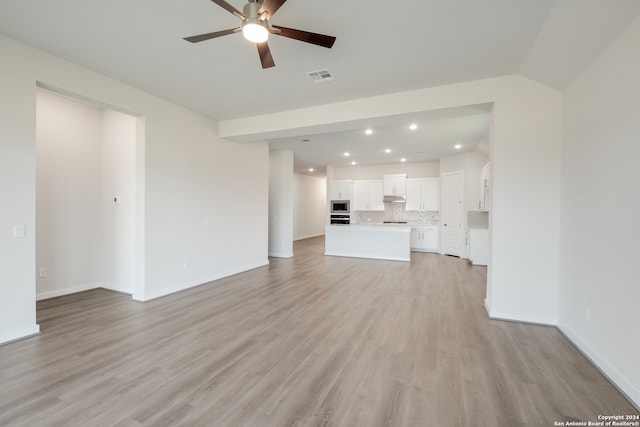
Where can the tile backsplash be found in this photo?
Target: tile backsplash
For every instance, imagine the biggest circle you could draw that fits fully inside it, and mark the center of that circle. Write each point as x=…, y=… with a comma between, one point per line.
x=396, y=212
x=478, y=219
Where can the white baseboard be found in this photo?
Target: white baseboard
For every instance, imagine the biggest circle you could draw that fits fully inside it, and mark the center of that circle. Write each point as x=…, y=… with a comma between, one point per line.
x=20, y=334
x=111, y=287
x=281, y=254
x=193, y=283
x=67, y=291
x=630, y=391
x=308, y=237
x=515, y=317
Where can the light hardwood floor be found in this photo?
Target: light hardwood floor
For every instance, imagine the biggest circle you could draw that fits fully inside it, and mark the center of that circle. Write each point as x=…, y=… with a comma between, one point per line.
x=309, y=341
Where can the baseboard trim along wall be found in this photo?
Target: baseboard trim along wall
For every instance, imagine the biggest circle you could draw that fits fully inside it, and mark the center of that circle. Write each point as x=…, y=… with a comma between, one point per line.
x=631, y=392
x=281, y=254
x=18, y=335
x=66, y=291
x=198, y=282
x=308, y=237
x=513, y=317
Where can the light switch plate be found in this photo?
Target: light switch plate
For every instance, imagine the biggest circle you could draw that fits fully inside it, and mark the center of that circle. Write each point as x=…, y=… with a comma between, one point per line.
x=19, y=231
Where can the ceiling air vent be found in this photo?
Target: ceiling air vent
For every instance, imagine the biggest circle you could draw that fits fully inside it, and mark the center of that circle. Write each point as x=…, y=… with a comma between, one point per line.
x=321, y=76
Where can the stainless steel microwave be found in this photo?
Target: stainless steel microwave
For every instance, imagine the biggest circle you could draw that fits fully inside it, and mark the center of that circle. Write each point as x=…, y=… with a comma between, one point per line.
x=340, y=206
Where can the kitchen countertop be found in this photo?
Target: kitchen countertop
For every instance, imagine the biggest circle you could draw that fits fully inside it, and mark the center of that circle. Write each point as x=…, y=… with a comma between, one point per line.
x=377, y=224
x=381, y=225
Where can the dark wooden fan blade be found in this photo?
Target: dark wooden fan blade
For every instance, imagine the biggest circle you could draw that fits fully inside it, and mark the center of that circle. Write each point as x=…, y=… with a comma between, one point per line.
x=271, y=6
x=226, y=6
x=208, y=36
x=305, y=36
x=265, y=55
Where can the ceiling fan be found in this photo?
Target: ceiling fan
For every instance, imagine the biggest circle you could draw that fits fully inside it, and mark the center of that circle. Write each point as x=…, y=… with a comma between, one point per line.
x=256, y=28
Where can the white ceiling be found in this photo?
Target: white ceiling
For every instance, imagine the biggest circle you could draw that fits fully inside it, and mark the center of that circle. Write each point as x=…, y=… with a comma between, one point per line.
x=436, y=135
x=382, y=47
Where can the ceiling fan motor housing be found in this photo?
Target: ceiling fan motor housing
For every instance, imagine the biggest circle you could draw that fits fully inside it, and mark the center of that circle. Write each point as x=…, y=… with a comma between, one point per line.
x=252, y=10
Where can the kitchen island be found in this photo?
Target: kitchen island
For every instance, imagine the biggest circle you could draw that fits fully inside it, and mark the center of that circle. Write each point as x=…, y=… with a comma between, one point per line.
x=379, y=241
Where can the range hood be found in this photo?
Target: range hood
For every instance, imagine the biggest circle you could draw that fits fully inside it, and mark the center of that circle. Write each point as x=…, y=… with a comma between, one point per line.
x=394, y=199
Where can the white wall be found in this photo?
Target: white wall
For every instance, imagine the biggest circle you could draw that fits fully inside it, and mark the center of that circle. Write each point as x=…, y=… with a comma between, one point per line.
x=119, y=181
x=525, y=155
x=600, y=233
x=70, y=218
x=310, y=205
x=200, y=191
x=413, y=170
x=17, y=192
x=281, y=195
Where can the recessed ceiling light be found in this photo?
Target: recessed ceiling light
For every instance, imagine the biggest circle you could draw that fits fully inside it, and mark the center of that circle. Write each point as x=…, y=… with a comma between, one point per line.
x=457, y=146
x=388, y=150
x=403, y=159
x=311, y=169
x=353, y=163
x=368, y=131
x=347, y=154
x=413, y=126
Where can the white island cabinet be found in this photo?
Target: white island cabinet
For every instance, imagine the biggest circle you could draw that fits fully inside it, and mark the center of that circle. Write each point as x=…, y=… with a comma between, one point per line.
x=425, y=238
x=368, y=241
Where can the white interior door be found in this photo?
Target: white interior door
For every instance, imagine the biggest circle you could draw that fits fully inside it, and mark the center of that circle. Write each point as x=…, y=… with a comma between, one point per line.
x=452, y=196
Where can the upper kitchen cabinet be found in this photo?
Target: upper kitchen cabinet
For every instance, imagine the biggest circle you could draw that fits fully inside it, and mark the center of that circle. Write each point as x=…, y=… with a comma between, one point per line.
x=341, y=189
x=395, y=185
x=367, y=196
x=423, y=194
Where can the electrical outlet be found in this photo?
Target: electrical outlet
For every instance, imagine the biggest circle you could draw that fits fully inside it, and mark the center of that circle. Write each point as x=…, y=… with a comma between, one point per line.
x=43, y=272
x=185, y=265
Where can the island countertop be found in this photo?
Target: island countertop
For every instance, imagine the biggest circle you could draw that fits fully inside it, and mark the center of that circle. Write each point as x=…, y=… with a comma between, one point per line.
x=377, y=241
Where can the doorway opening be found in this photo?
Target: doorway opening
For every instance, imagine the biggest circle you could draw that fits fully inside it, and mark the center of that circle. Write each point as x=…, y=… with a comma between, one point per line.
x=87, y=196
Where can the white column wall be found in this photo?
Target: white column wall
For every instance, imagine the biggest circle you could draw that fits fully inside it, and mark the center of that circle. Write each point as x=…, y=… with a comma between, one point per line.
x=18, y=205
x=281, y=196
x=600, y=233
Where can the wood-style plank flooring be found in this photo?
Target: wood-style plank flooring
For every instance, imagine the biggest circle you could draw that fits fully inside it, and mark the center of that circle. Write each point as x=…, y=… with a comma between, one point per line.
x=308, y=341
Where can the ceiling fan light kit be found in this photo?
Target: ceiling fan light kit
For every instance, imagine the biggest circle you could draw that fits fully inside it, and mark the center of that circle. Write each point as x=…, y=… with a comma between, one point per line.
x=255, y=32
x=255, y=28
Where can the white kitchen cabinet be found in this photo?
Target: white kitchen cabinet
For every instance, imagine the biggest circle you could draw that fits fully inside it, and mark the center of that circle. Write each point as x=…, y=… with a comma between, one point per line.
x=479, y=246
x=423, y=194
x=395, y=185
x=425, y=239
x=367, y=195
x=340, y=189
